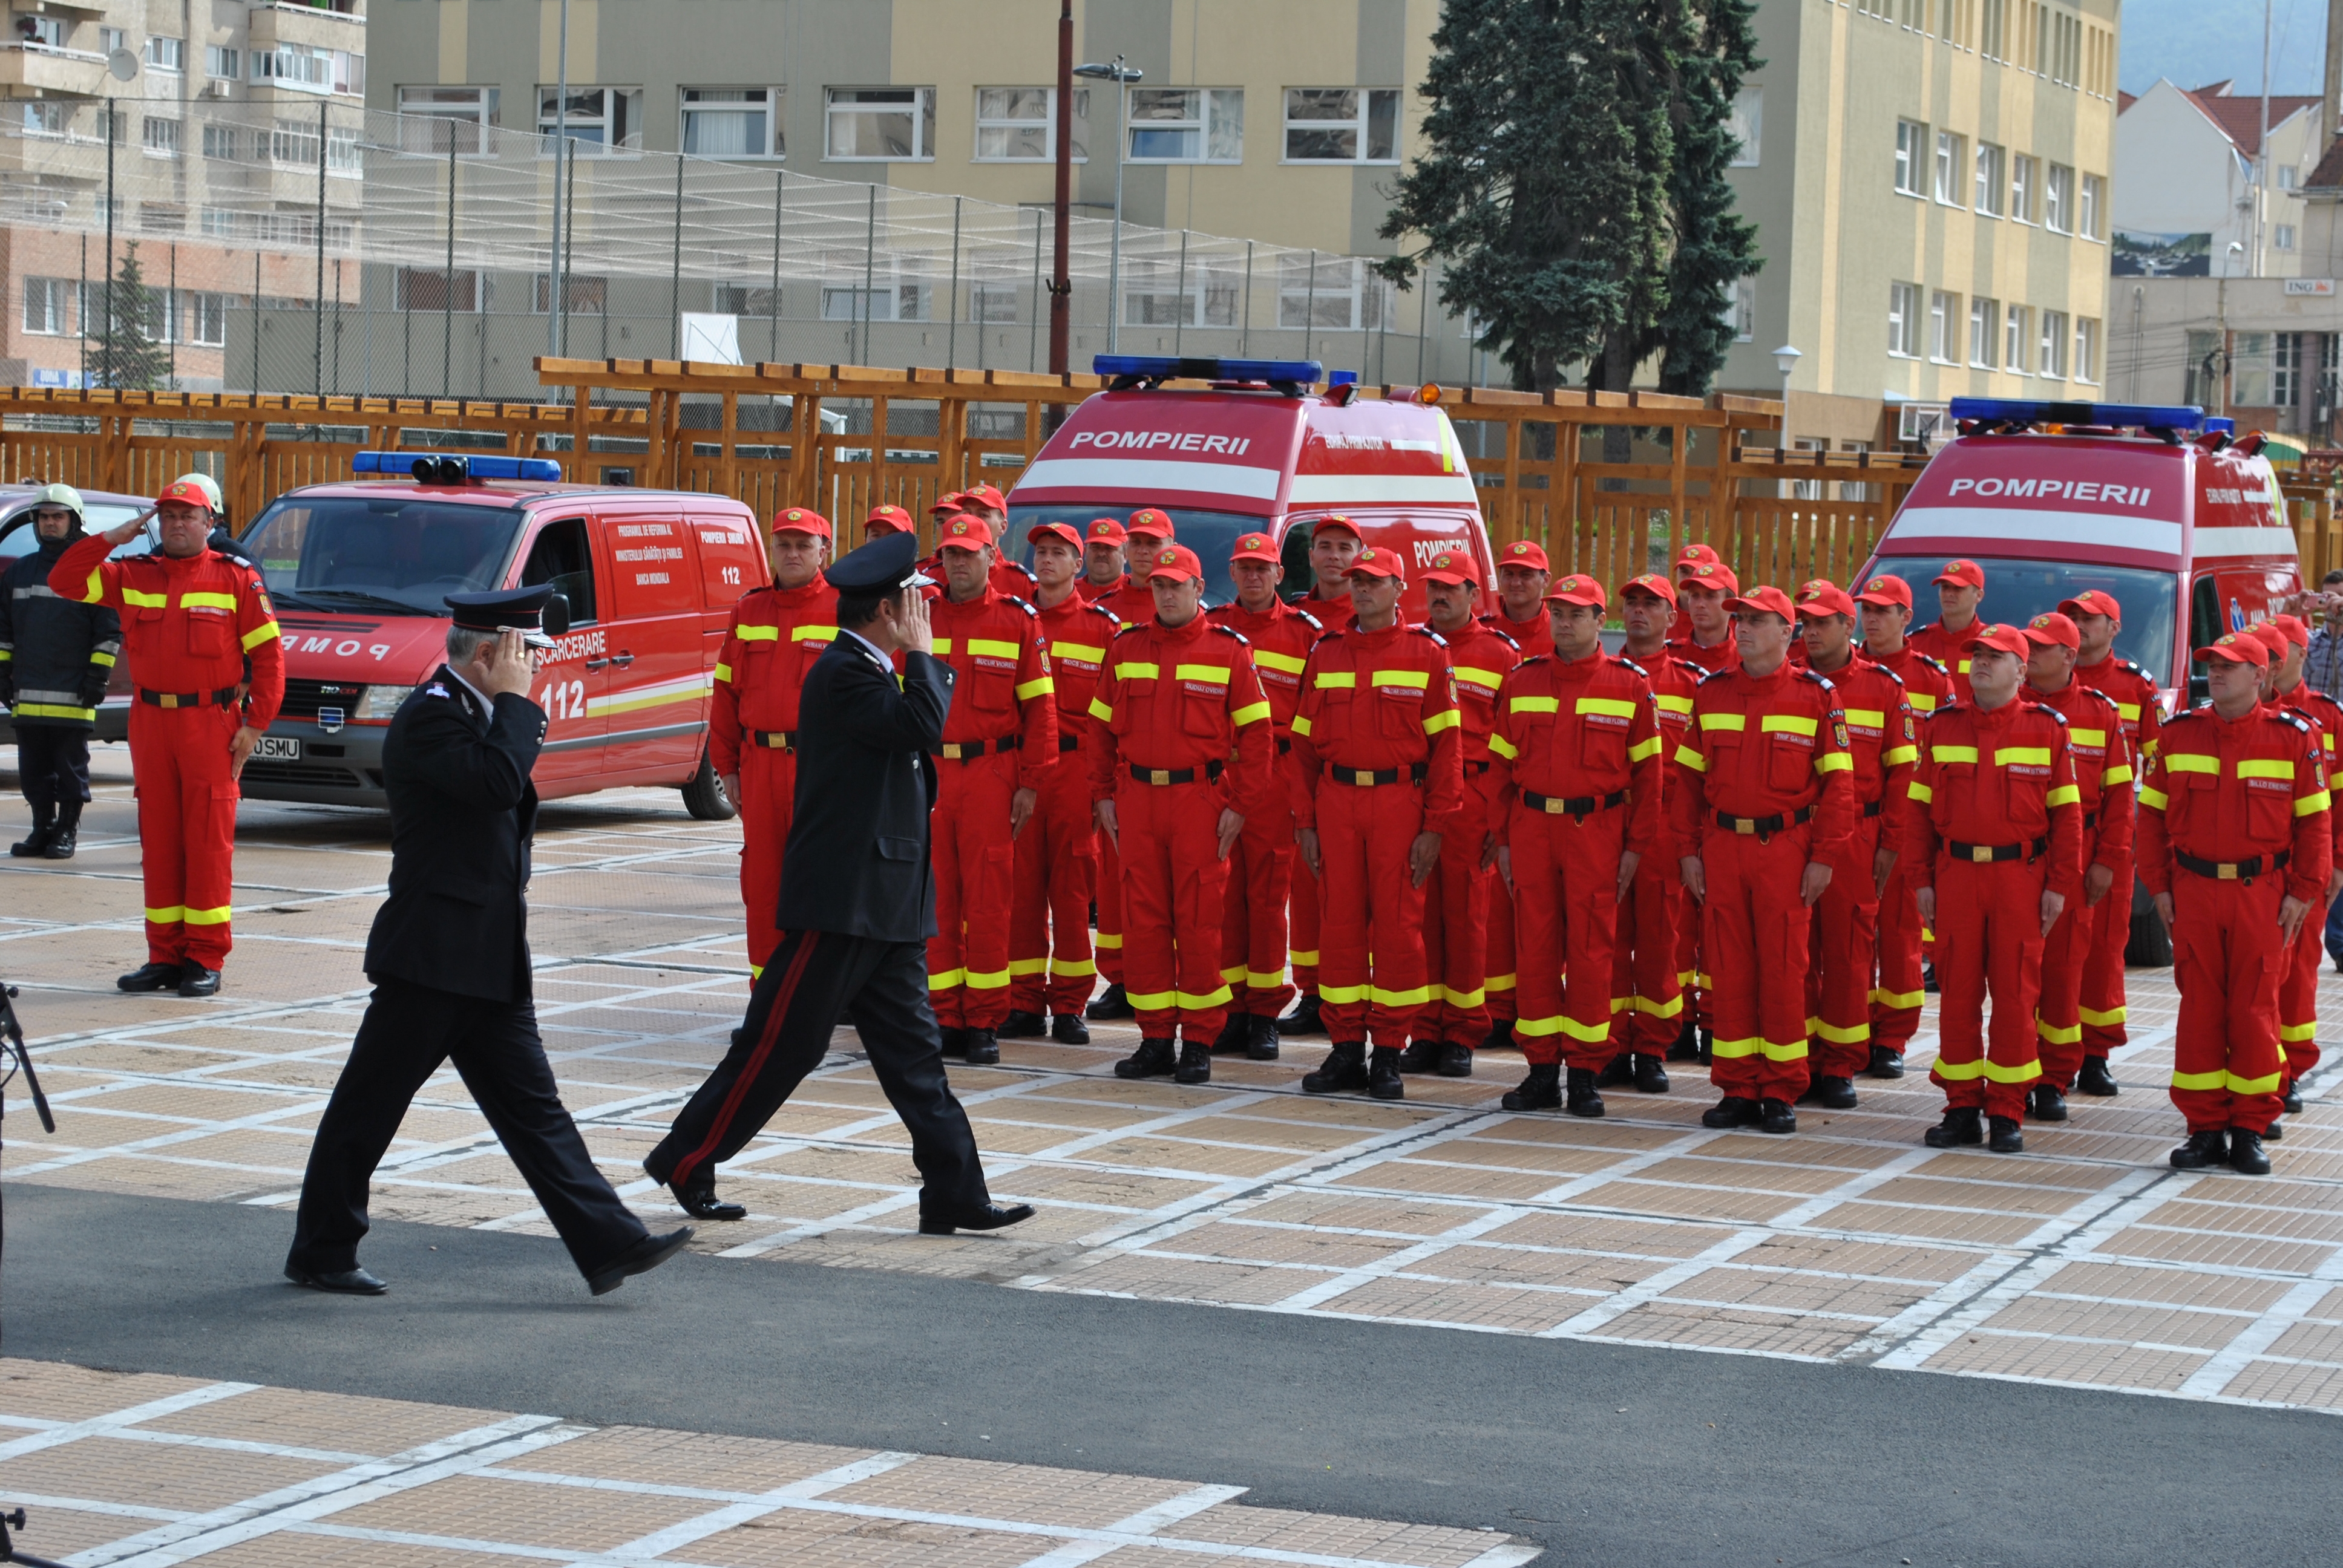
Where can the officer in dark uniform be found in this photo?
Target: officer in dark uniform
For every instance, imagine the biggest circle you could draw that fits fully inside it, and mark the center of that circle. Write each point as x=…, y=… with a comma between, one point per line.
x=857, y=906
x=449, y=957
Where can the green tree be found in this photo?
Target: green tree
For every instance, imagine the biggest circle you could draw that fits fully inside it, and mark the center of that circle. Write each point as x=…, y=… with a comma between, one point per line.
x=1714, y=247
x=121, y=353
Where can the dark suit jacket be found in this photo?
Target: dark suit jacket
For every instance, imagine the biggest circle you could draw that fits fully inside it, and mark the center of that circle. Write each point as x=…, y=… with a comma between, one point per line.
x=857, y=860
x=462, y=811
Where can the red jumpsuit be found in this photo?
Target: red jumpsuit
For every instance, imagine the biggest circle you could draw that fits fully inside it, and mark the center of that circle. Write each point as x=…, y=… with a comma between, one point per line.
x=1726, y=655
x=999, y=737
x=2297, y=994
x=1896, y=998
x=1761, y=788
x=1459, y=897
x=2139, y=702
x=1846, y=936
x=1531, y=639
x=188, y=628
x=1575, y=786
x=776, y=635
x=2103, y=773
x=1050, y=970
x=1131, y=604
x=1657, y=953
x=1261, y=865
x=2226, y=808
x=1182, y=731
x=1302, y=898
x=1950, y=648
x=1376, y=761
x=1996, y=816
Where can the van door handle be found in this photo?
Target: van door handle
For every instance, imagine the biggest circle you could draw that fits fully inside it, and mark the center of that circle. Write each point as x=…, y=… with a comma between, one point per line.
x=622, y=660
x=595, y=663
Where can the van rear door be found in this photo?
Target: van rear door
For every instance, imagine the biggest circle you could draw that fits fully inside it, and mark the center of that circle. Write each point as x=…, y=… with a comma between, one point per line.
x=660, y=680
x=575, y=677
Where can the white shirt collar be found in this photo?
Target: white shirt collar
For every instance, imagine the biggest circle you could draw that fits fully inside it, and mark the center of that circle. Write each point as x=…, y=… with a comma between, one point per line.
x=870, y=647
x=486, y=706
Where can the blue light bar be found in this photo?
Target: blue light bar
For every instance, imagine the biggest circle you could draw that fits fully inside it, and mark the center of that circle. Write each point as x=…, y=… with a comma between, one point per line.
x=457, y=467
x=2221, y=424
x=1306, y=372
x=2141, y=416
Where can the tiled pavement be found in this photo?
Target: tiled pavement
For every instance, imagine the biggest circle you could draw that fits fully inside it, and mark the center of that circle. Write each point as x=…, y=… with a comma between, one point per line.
x=2086, y=1262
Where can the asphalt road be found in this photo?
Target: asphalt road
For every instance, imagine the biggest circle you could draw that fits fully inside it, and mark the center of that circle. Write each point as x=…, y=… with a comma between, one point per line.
x=1608, y=1454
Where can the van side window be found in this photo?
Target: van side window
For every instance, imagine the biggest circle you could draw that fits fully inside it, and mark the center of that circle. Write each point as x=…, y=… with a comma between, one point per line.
x=563, y=556
x=1300, y=578
x=2205, y=623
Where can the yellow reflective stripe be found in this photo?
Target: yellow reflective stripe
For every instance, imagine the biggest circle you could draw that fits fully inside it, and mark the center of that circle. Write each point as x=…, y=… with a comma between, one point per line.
x=2107, y=1019
x=984, y=979
x=1252, y=713
x=1786, y=724
x=1671, y=1008
x=1341, y=993
x=2065, y=795
x=1855, y=1035
x=1138, y=671
x=1284, y=662
x=1670, y=703
x=2306, y=805
x=1868, y=717
x=1150, y=1000
x=2118, y=774
x=1302, y=727
x=944, y=980
x=1040, y=685
x=207, y=601
x=2230, y=1081
x=1074, y=967
x=97, y=589
x=1833, y=762
x=1772, y=1050
x=1106, y=941
x=1503, y=747
x=133, y=598
x=1081, y=651
x=2086, y=737
x=2129, y=712
x=1099, y=710
x=54, y=710
x=102, y=657
x=2022, y=757
x=1501, y=983
x=1419, y=678
x=754, y=971
x=2327, y=738
x=1263, y=981
x=1213, y=674
x=1899, y=757
x=1610, y=707
x=1479, y=677
x=990, y=647
x=2153, y=799
x=1969, y=1071
x=1333, y=680
x=1415, y=998
x=2264, y=768
x=1219, y=996
x=2055, y=1035
x=1302, y=959
x=1921, y=702
x=194, y=917
x=2199, y=1080
x=813, y=633
x=1899, y=998
x=258, y=635
x=2295, y=1034
x=1963, y=667
x=1920, y=794
x=723, y=672
x=1020, y=967
x=1724, y=721
x=1644, y=749
x=2190, y=762
x=758, y=633
x=1235, y=975
x=1440, y=721
x=170, y=917
x=1590, y=1032
x=1478, y=996
x=1535, y=704
x=1944, y=754
x=1692, y=760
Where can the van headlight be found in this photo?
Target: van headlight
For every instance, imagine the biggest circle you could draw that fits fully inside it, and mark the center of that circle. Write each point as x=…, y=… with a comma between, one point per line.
x=377, y=704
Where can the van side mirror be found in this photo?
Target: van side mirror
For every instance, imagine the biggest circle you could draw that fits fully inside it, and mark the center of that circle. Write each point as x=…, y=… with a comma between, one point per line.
x=556, y=615
x=2200, y=691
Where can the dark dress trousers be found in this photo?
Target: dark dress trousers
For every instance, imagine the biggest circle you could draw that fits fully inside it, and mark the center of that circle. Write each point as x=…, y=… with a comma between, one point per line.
x=857, y=906
x=448, y=956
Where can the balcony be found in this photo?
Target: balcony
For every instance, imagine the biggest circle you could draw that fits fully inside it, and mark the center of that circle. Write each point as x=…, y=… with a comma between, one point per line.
x=26, y=65
x=308, y=26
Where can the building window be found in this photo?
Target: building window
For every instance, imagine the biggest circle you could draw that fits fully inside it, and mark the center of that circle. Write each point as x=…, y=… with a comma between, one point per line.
x=1943, y=328
x=2289, y=177
x=1949, y=170
x=160, y=136
x=2052, y=346
x=1911, y=145
x=1153, y=295
x=2058, y=200
x=428, y=288
x=1740, y=311
x=994, y=302
x=2282, y=236
x=48, y=32
x=2286, y=369
x=216, y=223
x=1342, y=125
x=901, y=301
x=1019, y=125
x=1187, y=126
x=1747, y=126
x=2250, y=370
x=1340, y=295
x=1904, y=320
x=294, y=142
x=436, y=119
x=220, y=142
x=732, y=121
x=44, y=305
x=2086, y=349
x=1992, y=176
x=311, y=70
x=585, y=295
x=2094, y=203
x=1985, y=327
x=165, y=53
x=2025, y=178
x=2012, y=340
x=46, y=116
x=879, y=124
x=207, y=319
x=109, y=39
x=158, y=319
x=603, y=120
x=223, y=64
x=1993, y=31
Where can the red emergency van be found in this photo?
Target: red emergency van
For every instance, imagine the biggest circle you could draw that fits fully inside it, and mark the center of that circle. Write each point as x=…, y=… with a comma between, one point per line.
x=1257, y=449
x=644, y=581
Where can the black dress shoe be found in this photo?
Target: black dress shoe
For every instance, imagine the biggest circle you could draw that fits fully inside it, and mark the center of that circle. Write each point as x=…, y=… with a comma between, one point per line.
x=1110, y=1004
x=2007, y=1136
x=1776, y=1116
x=1233, y=1037
x=1456, y=1060
x=1579, y=1096
x=699, y=1201
x=1195, y=1063
x=2202, y=1150
x=1733, y=1111
x=1686, y=1045
x=62, y=846
x=1420, y=1056
x=1260, y=1039
x=1501, y=1036
x=196, y=980
x=1541, y=1090
x=1961, y=1125
x=151, y=977
x=44, y=828
x=2247, y=1156
x=1384, y=1082
x=1022, y=1025
x=1345, y=1067
x=1153, y=1059
x=1617, y=1072
x=2044, y=1102
x=1303, y=1018
x=2292, y=1098
x=983, y=1217
x=640, y=1259
x=983, y=1047
x=1068, y=1029
x=341, y=1281
x=1887, y=1062
x=2273, y=1132
x=955, y=1041
x=2096, y=1080
x=1834, y=1093
x=1651, y=1075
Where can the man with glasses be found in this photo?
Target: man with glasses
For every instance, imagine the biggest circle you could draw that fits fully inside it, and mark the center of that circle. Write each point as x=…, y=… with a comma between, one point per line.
x=55, y=657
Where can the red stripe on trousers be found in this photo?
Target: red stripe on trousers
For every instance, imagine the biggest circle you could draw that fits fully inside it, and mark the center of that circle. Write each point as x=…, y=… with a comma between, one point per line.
x=765, y=1040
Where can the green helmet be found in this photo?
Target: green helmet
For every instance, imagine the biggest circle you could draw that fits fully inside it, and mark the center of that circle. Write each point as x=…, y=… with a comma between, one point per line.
x=64, y=496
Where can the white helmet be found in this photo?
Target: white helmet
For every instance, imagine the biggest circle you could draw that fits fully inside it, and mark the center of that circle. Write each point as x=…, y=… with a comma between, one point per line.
x=205, y=483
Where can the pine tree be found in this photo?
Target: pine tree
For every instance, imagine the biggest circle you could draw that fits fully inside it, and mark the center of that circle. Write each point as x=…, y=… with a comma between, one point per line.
x=1715, y=248
x=120, y=354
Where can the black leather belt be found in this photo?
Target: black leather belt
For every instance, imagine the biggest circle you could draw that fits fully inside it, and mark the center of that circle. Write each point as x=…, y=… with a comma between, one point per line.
x=1284, y=745
x=1174, y=775
x=1986, y=854
x=1069, y=743
x=2090, y=821
x=1472, y=768
x=1362, y=777
x=970, y=750
x=1766, y=827
x=779, y=740
x=2234, y=870
x=223, y=698
x=1579, y=806
x=1871, y=808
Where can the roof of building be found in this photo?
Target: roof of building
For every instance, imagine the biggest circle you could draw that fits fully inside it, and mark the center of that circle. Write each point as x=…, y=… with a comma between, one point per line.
x=2328, y=174
x=2240, y=118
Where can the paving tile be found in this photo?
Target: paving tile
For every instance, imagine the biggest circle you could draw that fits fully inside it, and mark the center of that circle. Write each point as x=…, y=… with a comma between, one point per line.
x=1707, y=1327
x=151, y=1475
x=2067, y=1361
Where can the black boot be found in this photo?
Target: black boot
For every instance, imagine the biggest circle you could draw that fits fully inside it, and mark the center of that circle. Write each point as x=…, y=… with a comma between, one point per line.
x=1068, y=1029
x=1456, y=1060
x=1733, y=1111
x=1233, y=1036
x=1834, y=1093
x=2096, y=1080
x=955, y=1041
x=1687, y=1044
x=1153, y=1059
x=1260, y=1039
x=1541, y=1090
x=2292, y=1098
x=1345, y=1067
x=68, y=833
x=2202, y=1150
x=1961, y=1125
x=2007, y=1136
x=31, y=844
x=151, y=977
x=1887, y=1062
x=1111, y=1003
x=2247, y=1156
x=1420, y=1056
x=1651, y=1075
x=1022, y=1025
x=2274, y=1131
x=1195, y=1063
x=1501, y=1036
x=196, y=980
x=1617, y=1072
x=1776, y=1116
x=983, y=1047
x=1578, y=1092
x=2044, y=1102
x=1383, y=1074
x=1303, y=1018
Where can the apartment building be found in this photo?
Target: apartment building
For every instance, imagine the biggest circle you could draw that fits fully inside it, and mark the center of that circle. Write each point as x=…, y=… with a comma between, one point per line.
x=2206, y=208
x=222, y=134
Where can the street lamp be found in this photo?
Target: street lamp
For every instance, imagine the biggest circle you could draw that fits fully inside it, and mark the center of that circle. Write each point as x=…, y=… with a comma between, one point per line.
x=1785, y=361
x=1122, y=75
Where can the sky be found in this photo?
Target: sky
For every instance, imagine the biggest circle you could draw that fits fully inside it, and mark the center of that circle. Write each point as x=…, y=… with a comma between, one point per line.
x=2199, y=42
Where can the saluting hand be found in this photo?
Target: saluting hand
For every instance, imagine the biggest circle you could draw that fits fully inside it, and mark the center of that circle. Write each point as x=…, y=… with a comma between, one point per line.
x=919, y=636
x=1232, y=824
x=507, y=668
x=118, y=536
x=2052, y=906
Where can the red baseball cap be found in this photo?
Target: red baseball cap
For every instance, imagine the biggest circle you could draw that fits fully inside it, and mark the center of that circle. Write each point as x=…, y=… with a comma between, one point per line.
x=961, y=531
x=889, y=520
x=947, y=504
x=1106, y=530
x=1765, y=600
x=1376, y=563
x=2294, y=630
x=1448, y=566
x=2093, y=601
x=1698, y=556
x=797, y=520
x=1579, y=588
x=1150, y=523
x=1255, y=548
x=2237, y=648
x=1178, y=563
x=985, y=496
x=1965, y=574
x=1886, y=590
x=1524, y=553
x=1066, y=531
x=2054, y=627
x=186, y=490
x=1338, y=523
x=1717, y=577
x=2003, y=638
x=1823, y=597
x=2270, y=638
x=1652, y=582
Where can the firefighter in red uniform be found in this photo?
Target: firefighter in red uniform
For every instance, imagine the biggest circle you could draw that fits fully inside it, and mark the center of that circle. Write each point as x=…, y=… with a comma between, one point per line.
x=1658, y=947
x=884, y=520
x=1705, y=591
x=1688, y=559
x=1050, y=969
x=1458, y=899
x=1377, y=782
x=191, y=620
x=1846, y=939
x=1996, y=819
x=1524, y=578
x=2097, y=618
x=1576, y=807
x=2234, y=841
x=1132, y=603
x=2297, y=995
x=1007, y=578
x=1960, y=589
x=1886, y=607
x=1102, y=566
x=2104, y=774
x=1760, y=806
x=1261, y=867
x=1000, y=739
x=776, y=634
x=1184, y=757
x=1334, y=543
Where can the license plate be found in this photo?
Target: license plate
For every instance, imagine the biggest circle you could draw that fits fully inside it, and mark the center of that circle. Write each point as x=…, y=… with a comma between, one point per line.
x=278, y=747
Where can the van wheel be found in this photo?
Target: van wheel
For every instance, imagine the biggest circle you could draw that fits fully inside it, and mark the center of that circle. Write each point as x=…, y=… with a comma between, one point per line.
x=704, y=797
x=2150, y=945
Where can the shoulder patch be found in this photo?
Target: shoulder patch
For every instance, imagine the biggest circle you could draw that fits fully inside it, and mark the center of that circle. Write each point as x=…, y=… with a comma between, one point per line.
x=1535, y=659
x=1933, y=663
x=1807, y=672
x=435, y=689
x=1231, y=631
x=1437, y=640
x=1888, y=673
x=2298, y=720
x=1315, y=623
x=1021, y=604
x=2053, y=712
x=2133, y=667
x=1629, y=664
x=1127, y=631
x=1504, y=637
x=1101, y=609
x=1708, y=675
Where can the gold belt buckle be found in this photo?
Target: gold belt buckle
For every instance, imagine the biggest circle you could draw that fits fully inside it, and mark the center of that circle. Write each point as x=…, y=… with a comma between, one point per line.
x=1981, y=854
x=1159, y=776
x=1745, y=824
x=2227, y=871
x=1363, y=778
x=1553, y=806
x=955, y=750
x=170, y=699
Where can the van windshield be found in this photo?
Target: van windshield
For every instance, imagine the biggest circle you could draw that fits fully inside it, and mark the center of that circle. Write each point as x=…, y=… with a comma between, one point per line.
x=2015, y=591
x=399, y=553
x=1212, y=535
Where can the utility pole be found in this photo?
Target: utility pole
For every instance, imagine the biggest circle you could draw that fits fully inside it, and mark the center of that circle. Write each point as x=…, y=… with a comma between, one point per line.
x=2262, y=183
x=1062, y=288
x=557, y=297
